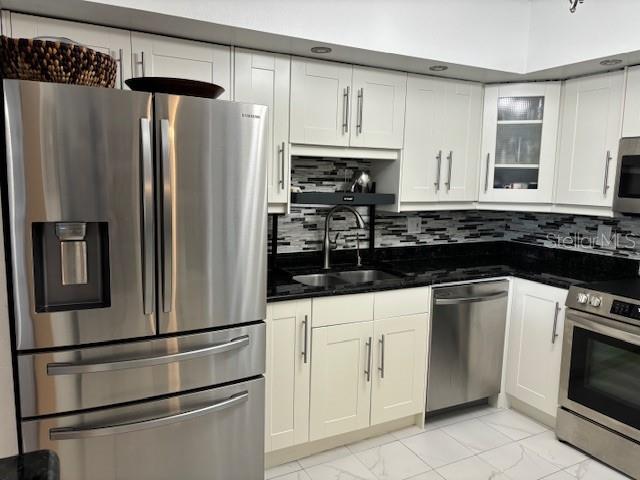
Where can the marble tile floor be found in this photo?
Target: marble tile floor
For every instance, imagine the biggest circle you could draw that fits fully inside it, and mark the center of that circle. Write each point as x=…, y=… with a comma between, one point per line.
x=478, y=443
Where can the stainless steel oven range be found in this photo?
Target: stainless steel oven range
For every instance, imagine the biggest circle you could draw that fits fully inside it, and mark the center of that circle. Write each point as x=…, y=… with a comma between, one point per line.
x=599, y=403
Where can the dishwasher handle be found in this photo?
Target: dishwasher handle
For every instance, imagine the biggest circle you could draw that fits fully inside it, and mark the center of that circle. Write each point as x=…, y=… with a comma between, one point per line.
x=470, y=299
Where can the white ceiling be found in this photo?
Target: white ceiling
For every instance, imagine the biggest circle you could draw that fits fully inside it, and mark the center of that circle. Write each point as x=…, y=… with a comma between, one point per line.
x=488, y=40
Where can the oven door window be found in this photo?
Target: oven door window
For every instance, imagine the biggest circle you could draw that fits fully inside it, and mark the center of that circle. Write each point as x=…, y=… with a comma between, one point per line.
x=605, y=376
x=629, y=185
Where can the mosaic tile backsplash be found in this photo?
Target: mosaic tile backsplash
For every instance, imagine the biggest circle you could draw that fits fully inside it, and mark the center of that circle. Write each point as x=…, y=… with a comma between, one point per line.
x=303, y=229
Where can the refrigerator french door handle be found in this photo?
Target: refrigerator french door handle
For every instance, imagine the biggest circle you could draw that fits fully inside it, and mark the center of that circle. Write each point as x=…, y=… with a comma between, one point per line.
x=71, y=433
x=167, y=218
x=146, y=187
x=140, y=362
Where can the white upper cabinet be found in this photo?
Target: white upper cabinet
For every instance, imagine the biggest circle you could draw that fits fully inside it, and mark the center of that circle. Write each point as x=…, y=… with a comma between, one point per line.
x=519, y=142
x=535, y=344
x=320, y=102
x=377, y=120
x=111, y=41
x=442, y=141
x=422, y=158
x=631, y=123
x=158, y=56
x=335, y=104
x=462, y=122
x=589, y=136
x=263, y=78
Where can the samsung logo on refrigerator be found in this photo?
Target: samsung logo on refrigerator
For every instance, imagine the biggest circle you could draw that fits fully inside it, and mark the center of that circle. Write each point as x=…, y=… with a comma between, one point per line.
x=250, y=115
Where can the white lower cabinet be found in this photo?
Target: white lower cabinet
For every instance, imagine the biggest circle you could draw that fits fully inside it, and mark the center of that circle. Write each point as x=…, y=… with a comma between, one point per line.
x=399, y=367
x=368, y=372
x=287, y=374
x=341, y=379
x=535, y=344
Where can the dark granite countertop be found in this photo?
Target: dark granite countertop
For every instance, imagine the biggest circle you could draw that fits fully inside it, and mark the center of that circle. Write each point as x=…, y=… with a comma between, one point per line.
x=440, y=264
x=39, y=465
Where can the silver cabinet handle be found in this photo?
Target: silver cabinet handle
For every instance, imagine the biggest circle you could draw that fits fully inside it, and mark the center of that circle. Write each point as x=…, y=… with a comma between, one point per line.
x=460, y=300
x=305, y=344
x=439, y=159
x=486, y=174
x=140, y=362
x=167, y=218
x=554, y=333
x=606, y=173
x=367, y=370
x=141, y=63
x=146, y=192
x=345, y=109
x=381, y=367
x=281, y=154
x=120, y=66
x=72, y=433
x=450, y=160
x=360, y=104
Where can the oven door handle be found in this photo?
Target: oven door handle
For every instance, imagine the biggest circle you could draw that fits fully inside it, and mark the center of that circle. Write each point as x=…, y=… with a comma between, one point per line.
x=79, y=368
x=72, y=433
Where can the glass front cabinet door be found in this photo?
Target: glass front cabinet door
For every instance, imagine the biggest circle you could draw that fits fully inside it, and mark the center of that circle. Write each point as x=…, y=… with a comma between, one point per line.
x=520, y=127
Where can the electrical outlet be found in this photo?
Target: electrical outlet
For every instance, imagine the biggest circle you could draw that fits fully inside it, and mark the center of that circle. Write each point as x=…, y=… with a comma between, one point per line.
x=605, y=238
x=414, y=224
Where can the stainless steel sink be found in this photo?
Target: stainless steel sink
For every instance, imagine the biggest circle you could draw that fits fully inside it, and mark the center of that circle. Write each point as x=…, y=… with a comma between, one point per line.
x=336, y=279
x=320, y=280
x=362, y=276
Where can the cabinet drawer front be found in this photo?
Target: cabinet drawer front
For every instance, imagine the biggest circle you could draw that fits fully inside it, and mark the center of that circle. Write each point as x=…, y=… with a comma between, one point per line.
x=342, y=309
x=396, y=303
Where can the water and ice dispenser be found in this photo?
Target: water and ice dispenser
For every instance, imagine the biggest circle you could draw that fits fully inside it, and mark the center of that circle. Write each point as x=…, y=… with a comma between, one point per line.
x=71, y=265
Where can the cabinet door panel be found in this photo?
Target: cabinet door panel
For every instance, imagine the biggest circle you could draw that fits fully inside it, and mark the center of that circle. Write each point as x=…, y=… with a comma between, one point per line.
x=400, y=347
x=379, y=103
x=340, y=387
x=111, y=41
x=534, y=353
x=287, y=374
x=590, y=129
x=631, y=122
x=422, y=161
x=462, y=124
x=263, y=78
x=518, y=156
x=320, y=102
x=158, y=56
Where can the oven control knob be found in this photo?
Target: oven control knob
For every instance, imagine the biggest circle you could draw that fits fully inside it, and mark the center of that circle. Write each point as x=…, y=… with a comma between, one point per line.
x=583, y=298
x=595, y=301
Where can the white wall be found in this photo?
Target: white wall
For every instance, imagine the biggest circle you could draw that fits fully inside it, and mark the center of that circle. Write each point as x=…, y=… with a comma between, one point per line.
x=489, y=33
x=599, y=28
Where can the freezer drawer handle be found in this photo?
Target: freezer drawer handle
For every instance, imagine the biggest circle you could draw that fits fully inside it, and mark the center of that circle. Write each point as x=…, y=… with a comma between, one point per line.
x=77, y=368
x=460, y=300
x=68, y=433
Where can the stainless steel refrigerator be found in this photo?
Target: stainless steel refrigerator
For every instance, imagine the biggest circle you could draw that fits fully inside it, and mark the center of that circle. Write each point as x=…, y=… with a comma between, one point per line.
x=136, y=230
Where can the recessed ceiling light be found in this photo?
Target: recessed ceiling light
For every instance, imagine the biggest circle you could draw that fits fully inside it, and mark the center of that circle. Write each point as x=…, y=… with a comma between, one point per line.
x=438, y=68
x=320, y=49
x=610, y=61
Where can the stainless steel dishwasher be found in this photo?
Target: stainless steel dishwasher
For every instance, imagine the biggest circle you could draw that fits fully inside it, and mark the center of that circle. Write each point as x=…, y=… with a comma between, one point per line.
x=467, y=343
